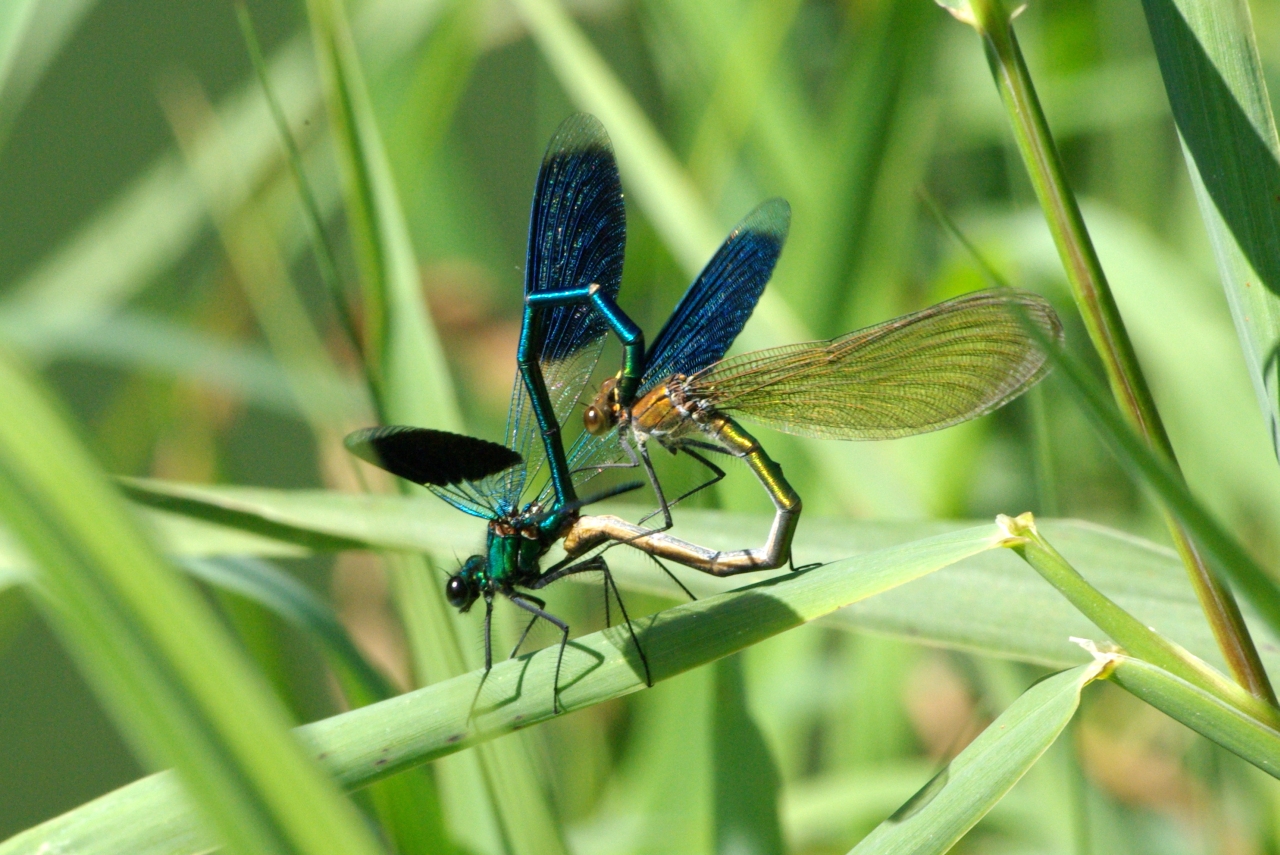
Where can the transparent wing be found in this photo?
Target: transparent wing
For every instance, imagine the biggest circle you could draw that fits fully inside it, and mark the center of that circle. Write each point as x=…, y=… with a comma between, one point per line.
x=921, y=372
x=577, y=234
x=717, y=305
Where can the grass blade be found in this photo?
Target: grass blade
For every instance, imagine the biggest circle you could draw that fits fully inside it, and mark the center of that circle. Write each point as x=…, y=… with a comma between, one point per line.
x=1228, y=556
x=401, y=350
x=1093, y=297
x=165, y=670
x=1212, y=73
x=1199, y=710
x=31, y=34
x=493, y=797
x=1122, y=627
x=981, y=605
x=951, y=803
x=148, y=817
x=408, y=803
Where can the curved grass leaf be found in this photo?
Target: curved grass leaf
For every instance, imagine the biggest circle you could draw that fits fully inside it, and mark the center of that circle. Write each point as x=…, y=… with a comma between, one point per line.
x=153, y=345
x=407, y=804
x=987, y=604
x=31, y=34
x=1126, y=630
x=955, y=799
x=400, y=345
x=1213, y=75
x=174, y=682
x=149, y=817
x=1229, y=558
x=493, y=797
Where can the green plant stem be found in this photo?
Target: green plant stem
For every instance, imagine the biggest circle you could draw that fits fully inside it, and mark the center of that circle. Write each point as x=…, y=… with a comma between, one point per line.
x=1203, y=712
x=1102, y=320
x=1123, y=628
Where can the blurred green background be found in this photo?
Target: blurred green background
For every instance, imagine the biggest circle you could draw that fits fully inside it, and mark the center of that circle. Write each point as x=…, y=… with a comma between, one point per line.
x=117, y=286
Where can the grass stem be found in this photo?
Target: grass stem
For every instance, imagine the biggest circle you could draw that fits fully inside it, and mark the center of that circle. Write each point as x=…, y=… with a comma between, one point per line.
x=1102, y=317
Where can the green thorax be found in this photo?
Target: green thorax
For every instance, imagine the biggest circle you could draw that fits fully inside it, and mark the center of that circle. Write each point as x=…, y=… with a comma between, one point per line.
x=514, y=549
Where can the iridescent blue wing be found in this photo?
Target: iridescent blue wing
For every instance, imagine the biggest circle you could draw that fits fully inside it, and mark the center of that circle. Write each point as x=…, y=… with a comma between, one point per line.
x=717, y=305
x=462, y=470
x=707, y=320
x=577, y=234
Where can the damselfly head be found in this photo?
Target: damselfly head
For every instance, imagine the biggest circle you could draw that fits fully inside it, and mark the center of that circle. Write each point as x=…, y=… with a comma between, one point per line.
x=463, y=588
x=602, y=415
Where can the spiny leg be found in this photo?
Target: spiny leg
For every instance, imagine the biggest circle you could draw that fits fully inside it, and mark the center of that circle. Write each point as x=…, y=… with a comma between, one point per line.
x=642, y=452
x=717, y=477
x=671, y=576
x=637, y=459
x=488, y=636
x=644, y=660
x=542, y=605
x=537, y=612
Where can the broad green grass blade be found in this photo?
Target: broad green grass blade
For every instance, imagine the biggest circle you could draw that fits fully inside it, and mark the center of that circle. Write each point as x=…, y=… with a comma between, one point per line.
x=1214, y=78
x=15, y=20
x=401, y=348
x=988, y=604
x=180, y=691
x=1204, y=713
x=149, y=818
x=407, y=804
x=936, y=817
x=493, y=797
x=156, y=346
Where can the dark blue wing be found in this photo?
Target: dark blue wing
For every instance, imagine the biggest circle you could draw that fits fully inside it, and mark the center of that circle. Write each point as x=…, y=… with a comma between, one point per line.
x=707, y=320
x=577, y=234
x=717, y=305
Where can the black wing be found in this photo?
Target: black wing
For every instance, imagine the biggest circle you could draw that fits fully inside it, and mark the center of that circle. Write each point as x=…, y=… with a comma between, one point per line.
x=456, y=468
x=577, y=234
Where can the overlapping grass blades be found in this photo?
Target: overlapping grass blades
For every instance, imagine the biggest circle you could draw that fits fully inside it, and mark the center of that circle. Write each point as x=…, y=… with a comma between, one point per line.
x=983, y=604
x=149, y=818
x=167, y=672
x=993, y=22
x=492, y=797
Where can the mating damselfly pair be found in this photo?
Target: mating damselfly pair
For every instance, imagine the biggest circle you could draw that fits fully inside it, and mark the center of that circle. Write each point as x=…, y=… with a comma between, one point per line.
x=921, y=372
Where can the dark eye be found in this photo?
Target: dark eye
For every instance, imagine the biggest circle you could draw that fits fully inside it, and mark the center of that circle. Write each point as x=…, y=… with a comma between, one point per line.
x=456, y=592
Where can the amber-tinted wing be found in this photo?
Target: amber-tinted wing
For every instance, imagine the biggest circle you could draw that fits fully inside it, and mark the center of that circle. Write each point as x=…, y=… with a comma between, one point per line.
x=918, y=373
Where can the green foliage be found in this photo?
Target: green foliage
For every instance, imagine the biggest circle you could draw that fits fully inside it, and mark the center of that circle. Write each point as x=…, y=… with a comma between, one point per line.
x=217, y=291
